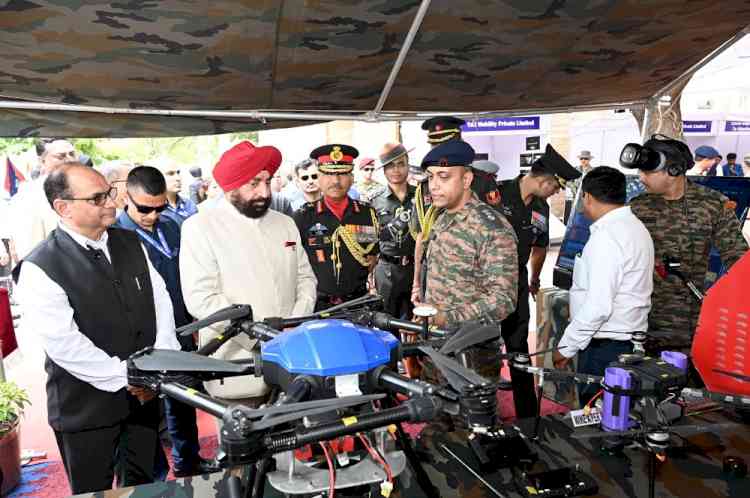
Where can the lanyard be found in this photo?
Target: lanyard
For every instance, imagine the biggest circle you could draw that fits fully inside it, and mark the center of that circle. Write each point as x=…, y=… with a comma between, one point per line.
x=160, y=245
x=179, y=211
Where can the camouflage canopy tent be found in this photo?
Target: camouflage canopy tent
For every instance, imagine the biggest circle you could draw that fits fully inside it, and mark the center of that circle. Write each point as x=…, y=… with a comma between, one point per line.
x=231, y=65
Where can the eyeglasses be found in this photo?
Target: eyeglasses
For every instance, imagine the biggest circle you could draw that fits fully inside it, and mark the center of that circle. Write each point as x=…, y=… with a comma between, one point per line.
x=147, y=209
x=368, y=170
x=99, y=199
x=304, y=178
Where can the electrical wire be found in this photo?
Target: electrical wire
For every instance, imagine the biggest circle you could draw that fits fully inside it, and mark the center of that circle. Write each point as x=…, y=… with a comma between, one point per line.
x=375, y=454
x=331, y=472
x=587, y=408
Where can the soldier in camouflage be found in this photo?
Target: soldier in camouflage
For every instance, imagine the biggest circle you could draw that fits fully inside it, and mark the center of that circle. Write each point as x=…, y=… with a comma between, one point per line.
x=440, y=130
x=685, y=220
x=471, y=264
x=368, y=188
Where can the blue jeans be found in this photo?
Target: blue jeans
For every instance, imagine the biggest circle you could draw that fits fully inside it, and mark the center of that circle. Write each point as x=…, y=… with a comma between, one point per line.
x=594, y=359
x=183, y=431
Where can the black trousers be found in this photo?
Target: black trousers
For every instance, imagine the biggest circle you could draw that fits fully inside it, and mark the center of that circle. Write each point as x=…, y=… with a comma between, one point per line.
x=394, y=284
x=92, y=458
x=594, y=360
x=515, y=332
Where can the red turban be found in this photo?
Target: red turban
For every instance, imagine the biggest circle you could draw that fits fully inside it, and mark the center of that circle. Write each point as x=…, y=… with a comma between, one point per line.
x=243, y=162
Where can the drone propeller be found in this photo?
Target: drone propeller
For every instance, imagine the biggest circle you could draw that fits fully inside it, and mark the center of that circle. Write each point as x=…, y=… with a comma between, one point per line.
x=470, y=334
x=366, y=300
x=167, y=360
x=234, y=312
x=743, y=378
x=456, y=374
x=297, y=411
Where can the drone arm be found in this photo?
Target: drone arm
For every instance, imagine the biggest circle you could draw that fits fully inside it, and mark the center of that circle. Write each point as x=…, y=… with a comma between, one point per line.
x=552, y=374
x=731, y=399
x=415, y=410
x=253, y=329
x=383, y=378
x=214, y=344
x=384, y=321
x=194, y=398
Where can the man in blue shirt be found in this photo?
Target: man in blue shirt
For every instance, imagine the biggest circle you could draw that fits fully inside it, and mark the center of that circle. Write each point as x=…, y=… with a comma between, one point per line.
x=731, y=168
x=146, y=198
x=178, y=208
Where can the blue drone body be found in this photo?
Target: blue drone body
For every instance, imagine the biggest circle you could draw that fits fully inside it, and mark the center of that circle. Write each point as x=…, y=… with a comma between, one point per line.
x=326, y=348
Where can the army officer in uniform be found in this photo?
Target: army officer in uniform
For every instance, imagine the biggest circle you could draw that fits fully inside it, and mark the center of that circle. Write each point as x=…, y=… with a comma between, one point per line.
x=523, y=201
x=339, y=234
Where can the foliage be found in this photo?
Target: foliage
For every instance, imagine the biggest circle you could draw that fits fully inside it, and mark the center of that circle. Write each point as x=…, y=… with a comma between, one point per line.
x=94, y=149
x=15, y=146
x=187, y=151
x=13, y=400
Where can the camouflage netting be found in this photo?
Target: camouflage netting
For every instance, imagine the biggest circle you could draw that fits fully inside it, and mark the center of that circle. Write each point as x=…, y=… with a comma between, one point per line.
x=335, y=55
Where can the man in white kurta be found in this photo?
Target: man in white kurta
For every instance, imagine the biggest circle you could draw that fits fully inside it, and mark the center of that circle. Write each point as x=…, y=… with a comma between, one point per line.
x=241, y=252
x=33, y=217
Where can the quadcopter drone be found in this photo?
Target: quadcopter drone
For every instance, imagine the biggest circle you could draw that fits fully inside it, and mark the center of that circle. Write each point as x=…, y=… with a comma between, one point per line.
x=337, y=381
x=642, y=398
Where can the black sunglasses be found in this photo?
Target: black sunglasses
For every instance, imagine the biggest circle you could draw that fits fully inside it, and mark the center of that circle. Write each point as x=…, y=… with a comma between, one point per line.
x=368, y=170
x=147, y=209
x=304, y=178
x=99, y=199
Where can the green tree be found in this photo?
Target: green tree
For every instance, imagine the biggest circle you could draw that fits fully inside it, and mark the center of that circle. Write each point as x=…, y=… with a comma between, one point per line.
x=15, y=146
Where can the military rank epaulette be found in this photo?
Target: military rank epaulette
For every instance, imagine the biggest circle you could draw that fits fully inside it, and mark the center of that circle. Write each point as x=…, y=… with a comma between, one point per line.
x=489, y=216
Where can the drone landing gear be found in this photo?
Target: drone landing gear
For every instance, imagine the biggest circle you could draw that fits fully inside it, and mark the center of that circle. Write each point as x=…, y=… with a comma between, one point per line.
x=657, y=443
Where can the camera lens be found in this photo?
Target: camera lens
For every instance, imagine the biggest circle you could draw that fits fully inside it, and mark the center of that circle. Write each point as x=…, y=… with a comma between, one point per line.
x=630, y=155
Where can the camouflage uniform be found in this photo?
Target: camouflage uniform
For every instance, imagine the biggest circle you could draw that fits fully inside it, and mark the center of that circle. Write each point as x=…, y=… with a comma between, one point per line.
x=472, y=269
x=368, y=191
x=687, y=228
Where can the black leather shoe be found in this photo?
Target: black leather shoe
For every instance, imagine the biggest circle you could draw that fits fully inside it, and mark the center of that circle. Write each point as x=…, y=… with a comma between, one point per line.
x=202, y=467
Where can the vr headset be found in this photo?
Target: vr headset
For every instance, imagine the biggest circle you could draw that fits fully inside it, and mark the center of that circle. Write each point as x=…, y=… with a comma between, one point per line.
x=659, y=153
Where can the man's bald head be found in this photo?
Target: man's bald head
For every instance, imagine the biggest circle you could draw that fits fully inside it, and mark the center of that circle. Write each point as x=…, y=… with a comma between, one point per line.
x=56, y=154
x=60, y=184
x=82, y=197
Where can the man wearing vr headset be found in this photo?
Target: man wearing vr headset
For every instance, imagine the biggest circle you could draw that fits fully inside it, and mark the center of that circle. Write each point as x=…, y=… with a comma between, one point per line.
x=685, y=220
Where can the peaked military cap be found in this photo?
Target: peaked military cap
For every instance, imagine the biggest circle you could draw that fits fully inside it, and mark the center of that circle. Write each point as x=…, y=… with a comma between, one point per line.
x=486, y=166
x=451, y=153
x=554, y=164
x=443, y=128
x=335, y=158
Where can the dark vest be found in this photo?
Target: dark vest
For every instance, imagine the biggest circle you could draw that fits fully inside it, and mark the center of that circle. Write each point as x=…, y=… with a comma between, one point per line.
x=109, y=309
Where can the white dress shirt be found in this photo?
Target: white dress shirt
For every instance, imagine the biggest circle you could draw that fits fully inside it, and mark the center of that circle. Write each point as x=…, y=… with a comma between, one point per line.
x=612, y=282
x=46, y=311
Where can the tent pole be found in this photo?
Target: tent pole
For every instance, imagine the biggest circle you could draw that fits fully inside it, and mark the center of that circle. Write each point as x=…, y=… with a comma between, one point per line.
x=306, y=116
x=415, y=25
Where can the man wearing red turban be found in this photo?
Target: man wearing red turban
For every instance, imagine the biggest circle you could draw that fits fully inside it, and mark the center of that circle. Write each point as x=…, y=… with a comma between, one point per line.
x=240, y=252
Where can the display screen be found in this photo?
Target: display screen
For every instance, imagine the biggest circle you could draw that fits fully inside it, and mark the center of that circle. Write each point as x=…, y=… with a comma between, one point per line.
x=577, y=231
